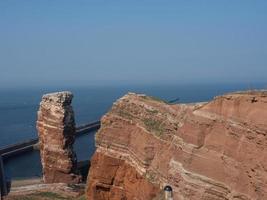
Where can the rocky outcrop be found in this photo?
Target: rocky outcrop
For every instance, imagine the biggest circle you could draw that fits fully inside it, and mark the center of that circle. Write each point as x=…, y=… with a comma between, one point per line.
x=56, y=129
x=205, y=151
x=116, y=179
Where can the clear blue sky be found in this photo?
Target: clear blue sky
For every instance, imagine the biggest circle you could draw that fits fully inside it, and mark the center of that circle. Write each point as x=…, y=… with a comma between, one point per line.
x=145, y=41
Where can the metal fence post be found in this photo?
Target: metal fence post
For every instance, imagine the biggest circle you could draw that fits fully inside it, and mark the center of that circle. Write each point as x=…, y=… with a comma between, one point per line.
x=3, y=188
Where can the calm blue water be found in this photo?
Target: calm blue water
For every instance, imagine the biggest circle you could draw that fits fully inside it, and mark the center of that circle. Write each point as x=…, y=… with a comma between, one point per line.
x=18, y=108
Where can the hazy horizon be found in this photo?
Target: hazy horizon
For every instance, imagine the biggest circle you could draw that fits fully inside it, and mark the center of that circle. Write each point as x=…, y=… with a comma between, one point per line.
x=46, y=43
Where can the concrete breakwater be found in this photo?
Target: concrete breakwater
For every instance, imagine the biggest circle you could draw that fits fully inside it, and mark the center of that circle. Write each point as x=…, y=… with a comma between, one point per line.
x=31, y=144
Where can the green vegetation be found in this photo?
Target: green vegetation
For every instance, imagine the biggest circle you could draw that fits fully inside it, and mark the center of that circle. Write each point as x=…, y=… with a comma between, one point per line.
x=50, y=195
x=124, y=114
x=154, y=99
x=45, y=196
x=152, y=111
x=151, y=176
x=24, y=198
x=155, y=126
x=82, y=198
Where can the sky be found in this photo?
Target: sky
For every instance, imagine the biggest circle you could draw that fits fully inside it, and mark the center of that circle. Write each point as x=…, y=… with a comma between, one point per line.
x=83, y=42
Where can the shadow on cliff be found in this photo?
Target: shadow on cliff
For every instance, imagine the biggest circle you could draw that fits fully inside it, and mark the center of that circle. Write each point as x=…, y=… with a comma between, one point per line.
x=83, y=167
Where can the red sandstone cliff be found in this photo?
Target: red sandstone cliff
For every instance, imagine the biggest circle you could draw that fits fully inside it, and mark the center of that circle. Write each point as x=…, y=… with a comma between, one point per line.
x=56, y=130
x=209, y=151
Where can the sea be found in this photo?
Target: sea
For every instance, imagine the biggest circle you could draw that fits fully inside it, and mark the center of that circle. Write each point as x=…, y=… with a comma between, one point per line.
x=19, y=106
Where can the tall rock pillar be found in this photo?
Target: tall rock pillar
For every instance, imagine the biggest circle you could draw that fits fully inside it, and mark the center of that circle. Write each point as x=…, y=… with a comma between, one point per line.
x=56, y=129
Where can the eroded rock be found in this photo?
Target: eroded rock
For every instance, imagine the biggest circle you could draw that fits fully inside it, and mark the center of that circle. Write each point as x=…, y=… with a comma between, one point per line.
x=116, y=180
x=205, y=151
x=56, y=129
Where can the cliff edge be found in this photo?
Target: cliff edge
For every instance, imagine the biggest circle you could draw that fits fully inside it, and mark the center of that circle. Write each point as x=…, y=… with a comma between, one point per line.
x=210, y=151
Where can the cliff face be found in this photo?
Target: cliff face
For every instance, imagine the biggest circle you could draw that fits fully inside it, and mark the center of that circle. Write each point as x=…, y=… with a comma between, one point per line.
x=56, y=129
x=209, y=151
x=114, y=179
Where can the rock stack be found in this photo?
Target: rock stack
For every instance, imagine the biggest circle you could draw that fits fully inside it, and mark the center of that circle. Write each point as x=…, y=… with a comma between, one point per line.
x=56, y=129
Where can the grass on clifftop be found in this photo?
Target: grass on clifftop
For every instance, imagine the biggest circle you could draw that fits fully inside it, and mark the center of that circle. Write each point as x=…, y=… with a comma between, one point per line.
x=154, y=126
x=154, y=99
x=44, y=196
x=124, y=114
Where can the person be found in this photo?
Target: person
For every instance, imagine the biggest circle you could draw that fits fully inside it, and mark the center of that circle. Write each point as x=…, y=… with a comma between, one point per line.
x=168, y=192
